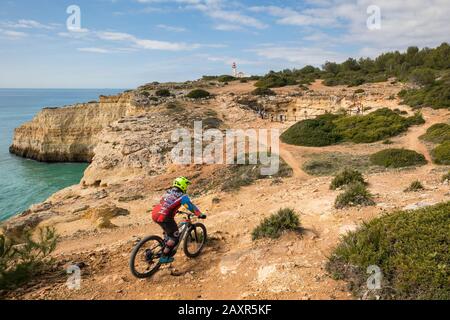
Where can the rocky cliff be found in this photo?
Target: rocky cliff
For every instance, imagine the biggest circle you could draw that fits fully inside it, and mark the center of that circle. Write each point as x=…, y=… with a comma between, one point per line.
x=69, y=133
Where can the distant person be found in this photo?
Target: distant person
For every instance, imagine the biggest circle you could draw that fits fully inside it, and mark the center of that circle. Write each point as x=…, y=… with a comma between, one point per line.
x=164, y=215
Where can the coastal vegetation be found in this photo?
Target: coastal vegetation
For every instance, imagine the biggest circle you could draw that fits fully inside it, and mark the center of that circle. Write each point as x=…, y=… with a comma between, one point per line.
x=409, y=247
x=346, y=177
x=198, y=94
x=416, y=185
x=419, y=66
x=355, y=194
x=331, y=129
x=397, y=158
x=273, y=226
x=20, y=261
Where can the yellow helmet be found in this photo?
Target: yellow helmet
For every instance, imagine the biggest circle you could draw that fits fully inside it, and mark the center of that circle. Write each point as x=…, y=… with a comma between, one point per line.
x=181, y=183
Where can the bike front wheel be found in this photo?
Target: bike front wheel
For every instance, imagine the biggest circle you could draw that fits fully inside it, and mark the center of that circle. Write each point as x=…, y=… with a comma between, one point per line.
x=144, y=260
x=195, y=240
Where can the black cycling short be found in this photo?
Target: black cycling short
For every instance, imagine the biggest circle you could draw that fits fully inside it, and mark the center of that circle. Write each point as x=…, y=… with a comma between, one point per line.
x=170, y=228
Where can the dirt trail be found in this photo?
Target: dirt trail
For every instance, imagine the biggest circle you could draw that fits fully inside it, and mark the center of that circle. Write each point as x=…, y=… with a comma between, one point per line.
x=294, y=163
x=413, y=140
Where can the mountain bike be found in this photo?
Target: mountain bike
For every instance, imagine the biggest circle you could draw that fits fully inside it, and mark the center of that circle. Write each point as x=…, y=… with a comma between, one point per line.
x=144, y=260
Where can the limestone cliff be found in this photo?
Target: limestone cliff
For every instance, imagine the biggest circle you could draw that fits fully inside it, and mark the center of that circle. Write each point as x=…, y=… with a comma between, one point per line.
x=69, y=133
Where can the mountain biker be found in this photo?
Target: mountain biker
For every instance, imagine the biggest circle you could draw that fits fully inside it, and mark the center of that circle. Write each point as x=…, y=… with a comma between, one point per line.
x=164, y=215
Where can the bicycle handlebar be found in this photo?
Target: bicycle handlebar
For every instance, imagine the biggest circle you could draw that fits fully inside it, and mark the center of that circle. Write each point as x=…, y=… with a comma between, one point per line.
x=190, y=214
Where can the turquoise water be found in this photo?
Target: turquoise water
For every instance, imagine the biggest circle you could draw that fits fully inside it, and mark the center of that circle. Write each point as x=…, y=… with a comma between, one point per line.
x=22, y=181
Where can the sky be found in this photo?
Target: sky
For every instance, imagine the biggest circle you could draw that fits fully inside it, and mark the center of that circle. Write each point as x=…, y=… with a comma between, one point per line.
x=126, y=43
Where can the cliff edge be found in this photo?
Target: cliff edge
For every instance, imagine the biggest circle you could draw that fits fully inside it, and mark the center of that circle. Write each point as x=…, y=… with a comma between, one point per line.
x=69, y=133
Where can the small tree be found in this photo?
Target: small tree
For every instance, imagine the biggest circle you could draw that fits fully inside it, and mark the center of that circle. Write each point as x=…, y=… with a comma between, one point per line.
x=198, y=94
x=19, y=262
x=163, y=93
x=423, y=76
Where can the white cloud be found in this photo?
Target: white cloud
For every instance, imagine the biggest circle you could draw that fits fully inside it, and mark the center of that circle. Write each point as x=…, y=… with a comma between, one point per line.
x=299, y=55
x=28, y=24
x=218, y=10
x=12, y=35
x=94, y=50
x=228, y=27
x=145, y=43
x=171, y=28
x=403, y=23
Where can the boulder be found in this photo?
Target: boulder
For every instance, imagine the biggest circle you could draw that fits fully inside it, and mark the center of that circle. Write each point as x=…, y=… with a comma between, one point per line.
x=107, y=211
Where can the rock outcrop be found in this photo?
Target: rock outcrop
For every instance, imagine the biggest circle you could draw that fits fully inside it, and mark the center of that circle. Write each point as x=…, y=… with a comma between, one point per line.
x=69, y=133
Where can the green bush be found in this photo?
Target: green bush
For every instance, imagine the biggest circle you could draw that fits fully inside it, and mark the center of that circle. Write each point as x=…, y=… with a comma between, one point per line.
x=358, y=91
x=198, y=94
x=317, y=132
x=415, y=186
x=355, y=194
x=423, y=76
x=20, y=262
x=441, y=154
x=162, y=93
x=330, y=129
x=378, y=125
x=226, y=78
x=397, y=158
x=436, y=96
x=410, y=248
x=263, y=92
x=346, y=177
x=273, y=226
x=437, y=133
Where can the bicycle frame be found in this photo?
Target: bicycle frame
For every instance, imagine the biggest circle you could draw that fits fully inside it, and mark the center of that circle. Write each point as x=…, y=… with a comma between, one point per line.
x=183, y=227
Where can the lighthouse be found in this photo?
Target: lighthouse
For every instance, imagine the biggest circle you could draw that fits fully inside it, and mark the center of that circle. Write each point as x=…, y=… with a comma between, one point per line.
x=234, y=69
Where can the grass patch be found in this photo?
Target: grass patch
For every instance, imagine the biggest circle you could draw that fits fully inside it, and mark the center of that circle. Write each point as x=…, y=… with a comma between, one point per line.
x=198, y=94
x=441, y=154
x=326, y=164
x=212, y=123
x=273, y=226
x=397, y=158
x=415, y=186
x=346, y=177
x=330, y=129
x=241, y=175
x=437, y=133
x=356, y=194
x=410, y=248
x=174, y=107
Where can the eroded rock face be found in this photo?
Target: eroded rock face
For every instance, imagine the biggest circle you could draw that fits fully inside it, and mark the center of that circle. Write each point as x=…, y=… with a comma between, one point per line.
x=69, y=133
x=131, y=146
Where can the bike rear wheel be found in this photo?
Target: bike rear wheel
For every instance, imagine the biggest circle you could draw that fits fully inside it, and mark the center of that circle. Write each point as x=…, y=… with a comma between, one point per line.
x=195, y=240
x=144, y=260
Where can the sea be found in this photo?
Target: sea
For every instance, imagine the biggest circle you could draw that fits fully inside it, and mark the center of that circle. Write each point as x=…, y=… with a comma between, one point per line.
x=24, y=182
